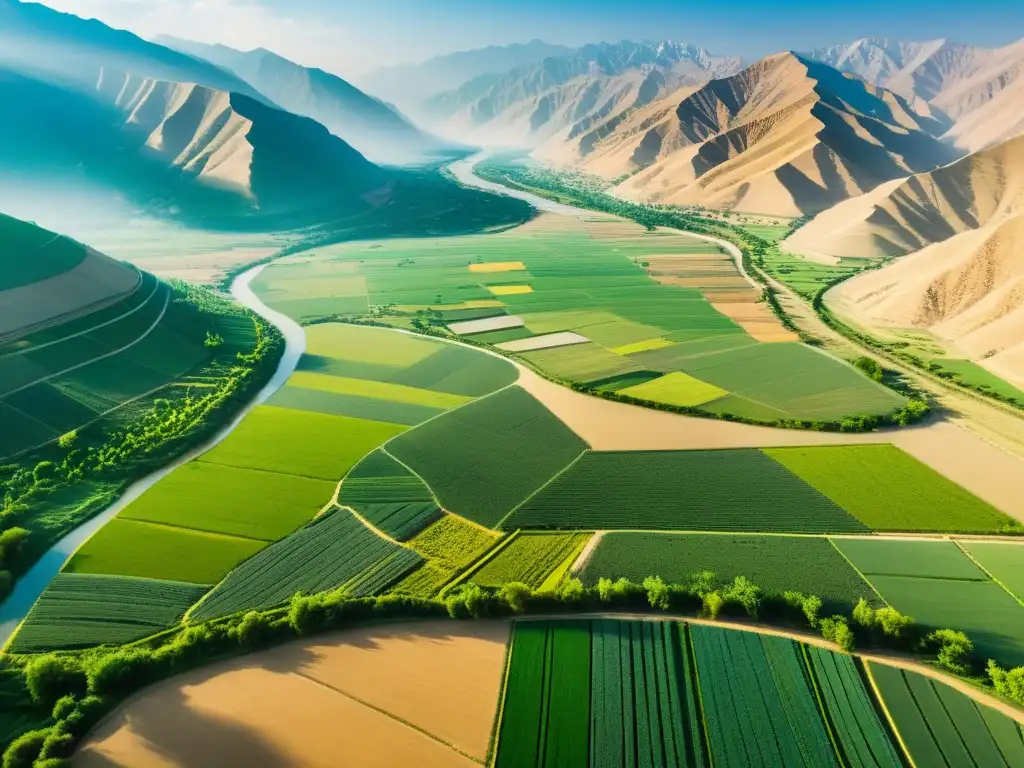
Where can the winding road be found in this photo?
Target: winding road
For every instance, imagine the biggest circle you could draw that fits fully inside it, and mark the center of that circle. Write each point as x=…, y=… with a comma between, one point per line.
x=31, y=585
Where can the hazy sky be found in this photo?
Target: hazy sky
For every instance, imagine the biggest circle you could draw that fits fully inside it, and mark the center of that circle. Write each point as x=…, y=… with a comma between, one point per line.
x=351, y=37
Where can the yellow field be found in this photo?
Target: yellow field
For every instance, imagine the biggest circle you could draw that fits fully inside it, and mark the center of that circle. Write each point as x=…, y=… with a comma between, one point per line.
x=498, y=266
x=676, y=389
x=641, y=346
x=380, y=390
x=352, y=342
x=509, y=290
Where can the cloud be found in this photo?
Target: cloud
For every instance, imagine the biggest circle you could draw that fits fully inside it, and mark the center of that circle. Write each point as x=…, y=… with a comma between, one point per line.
x=243, y=24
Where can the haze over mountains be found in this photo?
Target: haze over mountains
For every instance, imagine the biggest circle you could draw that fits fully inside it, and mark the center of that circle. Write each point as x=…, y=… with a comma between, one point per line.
x=376, y=129
x=571, y=93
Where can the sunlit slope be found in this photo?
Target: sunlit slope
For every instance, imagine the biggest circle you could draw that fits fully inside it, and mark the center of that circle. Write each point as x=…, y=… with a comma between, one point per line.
x=963, y=226
x=784, y=136
x=82, y=336
x=980, y=89
x=371, y=126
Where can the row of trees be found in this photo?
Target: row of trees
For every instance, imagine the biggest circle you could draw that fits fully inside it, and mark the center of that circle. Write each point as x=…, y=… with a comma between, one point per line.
x=78, y=689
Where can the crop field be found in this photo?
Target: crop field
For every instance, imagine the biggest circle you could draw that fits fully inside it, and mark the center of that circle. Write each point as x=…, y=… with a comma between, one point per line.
x=530, y=559
x=774, y=563
x=380, y=390
x=682, y=490
x=857, y=726
x=483, y=459
x=390, y=496
x=924, y=559
x=902, y=494
x=354, y=406
x=675, y=389
x=765, y=715
x=449, y=545
x=81, y=610
x=941, y=726
x=1003, y=560
x=300, y=443
x=987, y=613
x=239, y=502
x=336, y=550
x=628, y=294
x=130, y=548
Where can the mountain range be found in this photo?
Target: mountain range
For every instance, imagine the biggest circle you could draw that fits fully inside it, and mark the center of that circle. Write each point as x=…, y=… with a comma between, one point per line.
x=376, y=129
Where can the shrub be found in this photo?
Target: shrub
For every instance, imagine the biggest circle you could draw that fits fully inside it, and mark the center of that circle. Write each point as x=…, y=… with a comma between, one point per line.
x=88, y=712
x=58, y=744
x=657, y=592
x=12, y=542
x=65, y=706
x=1008, y=683
x=838, y=631
x=24, y=750
x=864, y=614
x=745, y=594
x=892, y=623
x=121, y=672
x=953, y=649
x=869, y=367
x=713, y=604
x=516, y=596
x=252, y=630
x=49, y=678
x=572, y=592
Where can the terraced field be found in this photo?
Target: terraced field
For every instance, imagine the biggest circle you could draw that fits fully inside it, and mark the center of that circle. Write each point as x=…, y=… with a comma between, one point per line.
x=657, y=303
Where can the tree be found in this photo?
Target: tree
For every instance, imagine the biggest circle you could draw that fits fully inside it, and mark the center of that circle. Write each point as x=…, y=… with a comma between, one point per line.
x=24, y=750
x=864, y=614
x=1008, y=683
x=68, y=439
x=713, y=604
x=892, y=623
x=657, y=592
x=838, y=631
x=213, y=340
x=744, y=593
x=952, y=648
x=49, y=678
x=869, y=367
x=44, y=470
x=515, y=595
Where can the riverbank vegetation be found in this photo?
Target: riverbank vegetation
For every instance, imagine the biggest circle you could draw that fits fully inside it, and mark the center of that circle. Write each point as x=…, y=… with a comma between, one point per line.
x=49, y=491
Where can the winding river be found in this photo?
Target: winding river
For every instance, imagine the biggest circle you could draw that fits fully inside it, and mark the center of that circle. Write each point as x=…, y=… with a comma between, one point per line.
x=31, y=585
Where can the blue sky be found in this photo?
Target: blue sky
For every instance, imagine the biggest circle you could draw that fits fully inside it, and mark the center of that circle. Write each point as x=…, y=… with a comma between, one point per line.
x=351, y=37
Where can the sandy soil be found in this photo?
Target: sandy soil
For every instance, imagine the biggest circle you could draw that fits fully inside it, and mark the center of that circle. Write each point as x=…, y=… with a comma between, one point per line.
x=397, y=695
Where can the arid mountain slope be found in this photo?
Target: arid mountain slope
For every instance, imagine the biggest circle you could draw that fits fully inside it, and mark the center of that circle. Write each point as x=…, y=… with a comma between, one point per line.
x=963, y=228
x=981, y=90
x=371, y=126
x=568, y=95
x=783, y=137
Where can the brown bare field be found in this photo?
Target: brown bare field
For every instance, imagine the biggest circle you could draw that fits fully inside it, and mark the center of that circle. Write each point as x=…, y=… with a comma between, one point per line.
x=757, y=320
x=711, y=281
x=421, y=694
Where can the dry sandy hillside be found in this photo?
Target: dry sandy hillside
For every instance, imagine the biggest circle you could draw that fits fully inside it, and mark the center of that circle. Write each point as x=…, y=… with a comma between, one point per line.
x=963, y=228
x=564, y=97
x=421, y=694
x=784, y=137
x=981, y=90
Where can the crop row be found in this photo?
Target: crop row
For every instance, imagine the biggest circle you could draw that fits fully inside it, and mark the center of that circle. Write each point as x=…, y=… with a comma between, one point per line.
x=530, y=559
x=335, y=550
x=79, y=610
x=389, y=496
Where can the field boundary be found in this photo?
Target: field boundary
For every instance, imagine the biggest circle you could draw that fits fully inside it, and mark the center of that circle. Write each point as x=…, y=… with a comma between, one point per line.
x=988, y=573
x=857, y=571
x=549, y=482
x=888, y=715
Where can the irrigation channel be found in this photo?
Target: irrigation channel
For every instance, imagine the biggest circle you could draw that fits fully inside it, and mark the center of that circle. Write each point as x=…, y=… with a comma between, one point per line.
x=31, y=585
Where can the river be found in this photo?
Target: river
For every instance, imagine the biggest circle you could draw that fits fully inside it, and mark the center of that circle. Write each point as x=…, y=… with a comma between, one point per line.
x=31, y=585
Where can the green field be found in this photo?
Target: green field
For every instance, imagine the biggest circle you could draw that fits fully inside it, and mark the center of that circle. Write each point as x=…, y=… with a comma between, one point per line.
x=682, y=490
x=389, y=496
x=333, y=551
x=300, y=443
x=355, y=406
x=774, y=563
x=530, y=559
x=987, y=613
x=675, y=389
x=130, y=548
x=81, y=610
x=240, y=502
x=890, y=491
x=449, y=545
x=1004, y=561
x=483, y=459
x=925, y=559
x=858, y=729
x=765, y=715
x=941, y=726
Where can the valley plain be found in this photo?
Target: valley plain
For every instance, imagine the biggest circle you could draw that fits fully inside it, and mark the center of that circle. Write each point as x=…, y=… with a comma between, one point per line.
x=682, y=429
